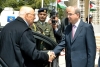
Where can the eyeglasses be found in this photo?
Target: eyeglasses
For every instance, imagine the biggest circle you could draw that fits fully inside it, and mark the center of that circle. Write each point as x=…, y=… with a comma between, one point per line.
x=70, y=14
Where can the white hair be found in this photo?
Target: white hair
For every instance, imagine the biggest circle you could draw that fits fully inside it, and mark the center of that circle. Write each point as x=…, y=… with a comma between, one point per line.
x=24, y=10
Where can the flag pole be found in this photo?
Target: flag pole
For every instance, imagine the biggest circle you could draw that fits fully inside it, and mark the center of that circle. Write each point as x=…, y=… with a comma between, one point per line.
x=42, y=4
x=56, y=5
x=88, y=11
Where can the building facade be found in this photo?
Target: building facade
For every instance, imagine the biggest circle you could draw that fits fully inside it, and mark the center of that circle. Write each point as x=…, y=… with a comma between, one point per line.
x=84, y=6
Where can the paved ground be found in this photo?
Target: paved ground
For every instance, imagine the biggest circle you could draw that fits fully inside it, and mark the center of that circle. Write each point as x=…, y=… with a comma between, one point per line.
x=62, y=61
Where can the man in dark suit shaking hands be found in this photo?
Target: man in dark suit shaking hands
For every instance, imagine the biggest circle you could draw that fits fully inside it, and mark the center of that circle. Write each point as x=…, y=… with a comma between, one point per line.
x=79, y=41
x=18, y=45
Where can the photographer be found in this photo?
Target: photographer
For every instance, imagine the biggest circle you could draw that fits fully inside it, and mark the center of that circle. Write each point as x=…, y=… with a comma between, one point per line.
x=56, y=24
x=90, y=19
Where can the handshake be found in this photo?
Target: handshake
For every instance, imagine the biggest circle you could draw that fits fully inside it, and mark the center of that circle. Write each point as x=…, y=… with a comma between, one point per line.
x=51, y=55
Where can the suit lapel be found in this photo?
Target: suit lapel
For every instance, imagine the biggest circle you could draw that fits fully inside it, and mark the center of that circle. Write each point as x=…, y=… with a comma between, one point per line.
x=77, y=31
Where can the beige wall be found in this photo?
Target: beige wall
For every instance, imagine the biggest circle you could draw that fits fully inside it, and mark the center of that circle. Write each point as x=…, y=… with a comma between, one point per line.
x=86, y=7
x=71, y=3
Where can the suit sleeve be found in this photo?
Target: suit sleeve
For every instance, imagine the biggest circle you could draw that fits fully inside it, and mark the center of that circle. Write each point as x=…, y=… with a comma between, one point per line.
x=58, y=34
x=60, y=46
x=91, y=46
x=28, y=46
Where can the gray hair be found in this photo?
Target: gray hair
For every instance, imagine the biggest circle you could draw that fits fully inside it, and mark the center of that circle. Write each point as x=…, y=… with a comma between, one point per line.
x=77, y=11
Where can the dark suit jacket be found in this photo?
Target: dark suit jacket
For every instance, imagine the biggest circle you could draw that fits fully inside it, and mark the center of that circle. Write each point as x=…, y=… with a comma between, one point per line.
x=18, y=46
x=99, y=62
x=58, y=34
x=81, y=51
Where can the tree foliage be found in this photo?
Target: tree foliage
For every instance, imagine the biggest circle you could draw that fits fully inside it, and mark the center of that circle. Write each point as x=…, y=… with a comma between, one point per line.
x=36, y=4
x=61, y=13
x=17, y=3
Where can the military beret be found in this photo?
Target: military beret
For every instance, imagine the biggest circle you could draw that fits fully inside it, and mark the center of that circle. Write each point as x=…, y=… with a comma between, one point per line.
x=43, y=10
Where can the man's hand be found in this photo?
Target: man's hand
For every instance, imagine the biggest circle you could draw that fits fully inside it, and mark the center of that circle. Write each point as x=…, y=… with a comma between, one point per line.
x=55, y=25
x=51, y=56
x=62, y=52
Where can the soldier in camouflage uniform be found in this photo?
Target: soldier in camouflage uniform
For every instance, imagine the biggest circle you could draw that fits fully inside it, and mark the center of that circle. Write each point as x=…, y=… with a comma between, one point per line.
x=43, y=27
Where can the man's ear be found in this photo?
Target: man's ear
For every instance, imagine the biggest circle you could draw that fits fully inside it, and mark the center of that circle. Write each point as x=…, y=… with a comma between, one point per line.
x=78, y=14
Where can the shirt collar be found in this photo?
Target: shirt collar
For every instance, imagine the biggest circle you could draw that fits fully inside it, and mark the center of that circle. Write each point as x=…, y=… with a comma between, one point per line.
x=77, y=23
x=42, y=22
x=26, y=23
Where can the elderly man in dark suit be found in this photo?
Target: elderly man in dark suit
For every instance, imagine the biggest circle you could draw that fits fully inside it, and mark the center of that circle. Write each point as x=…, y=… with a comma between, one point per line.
x=18, y=45
x=79, y=41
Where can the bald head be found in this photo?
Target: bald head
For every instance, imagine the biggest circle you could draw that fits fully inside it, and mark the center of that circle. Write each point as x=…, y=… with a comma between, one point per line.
x=27, y=13
x=24, y=10
x=74, y=8
x=68, y=8
x=73, y=14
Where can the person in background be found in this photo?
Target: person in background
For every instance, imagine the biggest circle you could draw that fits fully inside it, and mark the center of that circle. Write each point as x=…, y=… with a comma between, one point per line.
x=42, y=26
x=18, y=45
x=90, y=19
x=56, y=25
x=65, y=22
x=79, y=41
x=54, y=15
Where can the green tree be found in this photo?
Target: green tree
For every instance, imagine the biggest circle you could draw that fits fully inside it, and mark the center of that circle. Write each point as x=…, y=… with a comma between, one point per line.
x=61, y=13
x=15, y=4
x=36, y=4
